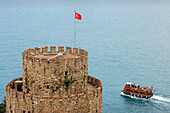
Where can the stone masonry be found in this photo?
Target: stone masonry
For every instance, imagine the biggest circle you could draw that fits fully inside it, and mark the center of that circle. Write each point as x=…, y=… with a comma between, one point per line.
x=54, y=82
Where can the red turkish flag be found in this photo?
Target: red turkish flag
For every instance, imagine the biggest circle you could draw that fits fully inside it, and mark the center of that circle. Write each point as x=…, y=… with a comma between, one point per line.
x=77, y=16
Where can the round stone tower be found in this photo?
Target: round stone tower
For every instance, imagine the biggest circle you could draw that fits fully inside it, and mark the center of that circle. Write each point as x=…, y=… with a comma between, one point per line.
x=54, y=81
x=54, y=72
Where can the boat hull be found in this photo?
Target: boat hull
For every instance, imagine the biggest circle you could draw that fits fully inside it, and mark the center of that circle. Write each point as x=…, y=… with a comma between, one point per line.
x=135, y=95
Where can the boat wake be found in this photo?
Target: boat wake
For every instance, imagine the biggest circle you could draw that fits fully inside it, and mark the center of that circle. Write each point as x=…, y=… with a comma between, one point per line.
x=157, y=97
x=154, y=97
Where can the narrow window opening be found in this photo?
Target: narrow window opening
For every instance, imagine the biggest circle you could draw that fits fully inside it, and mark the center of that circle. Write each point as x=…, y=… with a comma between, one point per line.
x=66, y=72
x=47, y=86
x=19, y=87
x=55, y=71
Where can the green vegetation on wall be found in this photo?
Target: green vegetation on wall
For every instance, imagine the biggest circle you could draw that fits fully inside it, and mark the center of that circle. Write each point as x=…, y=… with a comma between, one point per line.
x=26, y=85
x=3, y=106
x=67, y=82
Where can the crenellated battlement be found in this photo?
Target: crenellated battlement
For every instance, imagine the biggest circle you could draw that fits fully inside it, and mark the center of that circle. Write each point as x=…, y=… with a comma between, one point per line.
x=68, y=50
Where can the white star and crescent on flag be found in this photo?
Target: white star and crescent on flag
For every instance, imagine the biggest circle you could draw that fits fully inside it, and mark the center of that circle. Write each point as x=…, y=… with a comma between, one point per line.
x=77, y=16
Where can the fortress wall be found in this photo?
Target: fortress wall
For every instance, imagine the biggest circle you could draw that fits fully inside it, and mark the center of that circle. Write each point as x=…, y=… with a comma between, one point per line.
x=40, y=72
x=90, y=101
x=45, y=87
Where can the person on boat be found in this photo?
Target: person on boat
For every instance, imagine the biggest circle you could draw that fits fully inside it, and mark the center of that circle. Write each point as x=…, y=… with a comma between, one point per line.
x=138, y=86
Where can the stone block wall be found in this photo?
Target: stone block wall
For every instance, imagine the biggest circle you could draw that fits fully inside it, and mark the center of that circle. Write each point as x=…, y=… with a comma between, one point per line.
x=87, y=102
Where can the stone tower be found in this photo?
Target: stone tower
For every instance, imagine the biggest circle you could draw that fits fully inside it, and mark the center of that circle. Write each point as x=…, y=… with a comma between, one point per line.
x=54, y=81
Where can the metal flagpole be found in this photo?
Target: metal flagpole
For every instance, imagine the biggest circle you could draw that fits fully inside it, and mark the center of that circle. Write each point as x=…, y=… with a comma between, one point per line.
x=74, y=30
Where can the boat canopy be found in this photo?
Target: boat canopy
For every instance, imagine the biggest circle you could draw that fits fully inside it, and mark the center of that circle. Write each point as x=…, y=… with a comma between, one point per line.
x=130, y=83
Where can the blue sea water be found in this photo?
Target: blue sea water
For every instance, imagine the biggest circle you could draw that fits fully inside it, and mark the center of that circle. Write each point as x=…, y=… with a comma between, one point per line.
x=127, y=40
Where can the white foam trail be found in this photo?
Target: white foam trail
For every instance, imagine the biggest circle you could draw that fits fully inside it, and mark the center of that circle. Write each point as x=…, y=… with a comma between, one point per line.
x=160, y=98
x=155, y=97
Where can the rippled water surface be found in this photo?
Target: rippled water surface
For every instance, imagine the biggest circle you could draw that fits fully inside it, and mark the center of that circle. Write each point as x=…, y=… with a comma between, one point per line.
x=126, y=41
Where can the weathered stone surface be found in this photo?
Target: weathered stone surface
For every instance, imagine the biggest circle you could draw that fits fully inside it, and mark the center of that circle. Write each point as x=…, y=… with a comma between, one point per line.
x=55, y=82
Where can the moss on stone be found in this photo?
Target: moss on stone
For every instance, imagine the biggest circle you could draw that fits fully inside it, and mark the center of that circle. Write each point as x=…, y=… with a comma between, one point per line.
x=67, y=82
